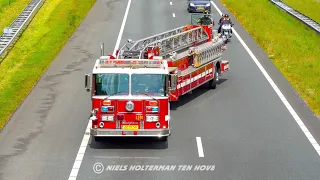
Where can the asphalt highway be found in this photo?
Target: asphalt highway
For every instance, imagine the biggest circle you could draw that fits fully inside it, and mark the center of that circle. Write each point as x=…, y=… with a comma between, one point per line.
x=242, y=128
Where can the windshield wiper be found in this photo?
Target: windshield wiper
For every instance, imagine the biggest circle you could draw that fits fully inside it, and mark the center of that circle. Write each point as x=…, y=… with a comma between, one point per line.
x=113, y=94
x=122, y=92
x=147, y=95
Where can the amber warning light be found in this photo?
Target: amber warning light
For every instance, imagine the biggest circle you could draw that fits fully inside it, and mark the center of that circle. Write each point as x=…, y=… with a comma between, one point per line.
x=139, y=117
x=106, y=103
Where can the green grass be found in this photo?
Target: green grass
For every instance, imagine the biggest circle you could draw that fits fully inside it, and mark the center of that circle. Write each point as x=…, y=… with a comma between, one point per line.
x=36, y=49
x=291, y=45
x=10, y=10
x=310, y=8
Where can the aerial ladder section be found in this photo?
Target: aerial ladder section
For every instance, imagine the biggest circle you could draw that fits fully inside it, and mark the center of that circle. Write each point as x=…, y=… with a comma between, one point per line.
x=171, y=41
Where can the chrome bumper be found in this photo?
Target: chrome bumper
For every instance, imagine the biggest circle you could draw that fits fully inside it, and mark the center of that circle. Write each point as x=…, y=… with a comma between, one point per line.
x=140, y=133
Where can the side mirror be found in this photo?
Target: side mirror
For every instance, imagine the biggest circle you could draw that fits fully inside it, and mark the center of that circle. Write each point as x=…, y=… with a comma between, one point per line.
x=173, y=81
x=87, y=82
x=130, y=41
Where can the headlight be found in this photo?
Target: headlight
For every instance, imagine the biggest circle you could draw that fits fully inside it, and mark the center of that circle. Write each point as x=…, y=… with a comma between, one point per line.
x=191, y=4
x=208, y=4
x=152, y=118
x=107, y=118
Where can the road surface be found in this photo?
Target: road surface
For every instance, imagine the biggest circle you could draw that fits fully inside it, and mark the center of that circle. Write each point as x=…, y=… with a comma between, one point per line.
x=242, y=128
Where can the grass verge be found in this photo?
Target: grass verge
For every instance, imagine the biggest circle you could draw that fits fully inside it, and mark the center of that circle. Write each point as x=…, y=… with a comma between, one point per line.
x=10, y=10
x=310, y=8
x=37, y=47
x=292, y=46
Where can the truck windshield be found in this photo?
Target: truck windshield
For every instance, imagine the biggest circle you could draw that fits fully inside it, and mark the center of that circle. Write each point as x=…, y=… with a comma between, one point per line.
x=109, y=84
x=151, y=84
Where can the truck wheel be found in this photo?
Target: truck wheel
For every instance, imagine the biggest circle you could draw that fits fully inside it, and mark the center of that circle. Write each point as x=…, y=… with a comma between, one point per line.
x=98, y=139
x=212, y=84
x=214, y=81
x=164, y=138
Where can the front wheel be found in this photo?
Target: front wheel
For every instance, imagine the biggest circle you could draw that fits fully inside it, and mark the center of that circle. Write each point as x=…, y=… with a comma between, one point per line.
x=98, y=139
x=163, y=139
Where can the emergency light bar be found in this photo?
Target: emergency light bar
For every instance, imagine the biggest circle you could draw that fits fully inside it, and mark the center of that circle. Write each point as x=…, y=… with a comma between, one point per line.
x=105, y=61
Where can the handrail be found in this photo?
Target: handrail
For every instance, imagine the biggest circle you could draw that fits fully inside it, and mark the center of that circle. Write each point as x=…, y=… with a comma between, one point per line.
x=11, y=34
x=305, y=19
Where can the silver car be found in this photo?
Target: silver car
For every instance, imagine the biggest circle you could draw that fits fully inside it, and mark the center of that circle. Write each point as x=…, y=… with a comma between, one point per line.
x=195, y=6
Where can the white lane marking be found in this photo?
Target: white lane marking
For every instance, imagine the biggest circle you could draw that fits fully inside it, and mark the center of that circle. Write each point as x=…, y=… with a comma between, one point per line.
x=77, y=163
x=122, y=28
x=174, y=15
x=199, y=145
x=171, y=3
x=277, y=90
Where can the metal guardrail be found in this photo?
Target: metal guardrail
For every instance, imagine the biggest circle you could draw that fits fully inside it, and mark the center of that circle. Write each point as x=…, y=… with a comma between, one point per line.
x=305, y=19
x=11, y=33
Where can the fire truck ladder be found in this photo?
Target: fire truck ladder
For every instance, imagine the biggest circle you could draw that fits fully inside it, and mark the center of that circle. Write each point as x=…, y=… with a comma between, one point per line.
x=168, y=42
x=204, y=54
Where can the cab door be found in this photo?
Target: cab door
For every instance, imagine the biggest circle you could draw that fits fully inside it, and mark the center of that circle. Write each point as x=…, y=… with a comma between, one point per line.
x=172, y=84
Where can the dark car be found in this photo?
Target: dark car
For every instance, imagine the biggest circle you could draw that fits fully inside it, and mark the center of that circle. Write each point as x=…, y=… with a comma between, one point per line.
x=199, y=6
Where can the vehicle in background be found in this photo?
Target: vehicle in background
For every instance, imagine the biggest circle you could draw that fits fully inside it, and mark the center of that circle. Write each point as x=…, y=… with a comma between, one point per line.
x=195, y=6
x=226, y=31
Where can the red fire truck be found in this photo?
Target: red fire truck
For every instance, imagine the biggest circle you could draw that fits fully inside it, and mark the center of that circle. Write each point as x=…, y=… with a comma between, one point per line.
x=131, y=90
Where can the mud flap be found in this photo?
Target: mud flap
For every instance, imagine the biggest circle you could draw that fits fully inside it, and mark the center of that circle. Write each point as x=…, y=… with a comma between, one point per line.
x=224, y=66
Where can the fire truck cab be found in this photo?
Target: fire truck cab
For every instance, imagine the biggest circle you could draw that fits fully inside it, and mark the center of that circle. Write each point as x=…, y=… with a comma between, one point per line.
x=130, y=97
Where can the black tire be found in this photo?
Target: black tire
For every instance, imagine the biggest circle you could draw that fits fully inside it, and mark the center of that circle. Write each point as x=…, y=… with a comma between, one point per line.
x=163, y=139
x=212, y=84
x=98, y=139
x=215, y=80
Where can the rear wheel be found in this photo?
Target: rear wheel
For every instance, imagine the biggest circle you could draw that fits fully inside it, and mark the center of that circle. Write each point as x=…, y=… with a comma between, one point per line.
x=215, y=80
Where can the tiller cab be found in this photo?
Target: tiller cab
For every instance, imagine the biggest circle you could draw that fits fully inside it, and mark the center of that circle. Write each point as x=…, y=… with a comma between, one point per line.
x=131, y=91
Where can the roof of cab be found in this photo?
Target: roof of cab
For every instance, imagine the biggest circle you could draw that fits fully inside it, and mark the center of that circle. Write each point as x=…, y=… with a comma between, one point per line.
x=97, y=69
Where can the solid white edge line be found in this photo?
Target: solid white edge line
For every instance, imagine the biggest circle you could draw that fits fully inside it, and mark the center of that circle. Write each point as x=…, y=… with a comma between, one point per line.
x=277, y=90
x=174, y=15
x=77, y=163
x=122, y=28
x=200, y=148
x=171, y=3
x=85, y=140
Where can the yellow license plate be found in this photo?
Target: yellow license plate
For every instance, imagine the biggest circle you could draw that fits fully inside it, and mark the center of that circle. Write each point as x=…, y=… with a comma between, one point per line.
x=130, y=127
x=200, y=8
